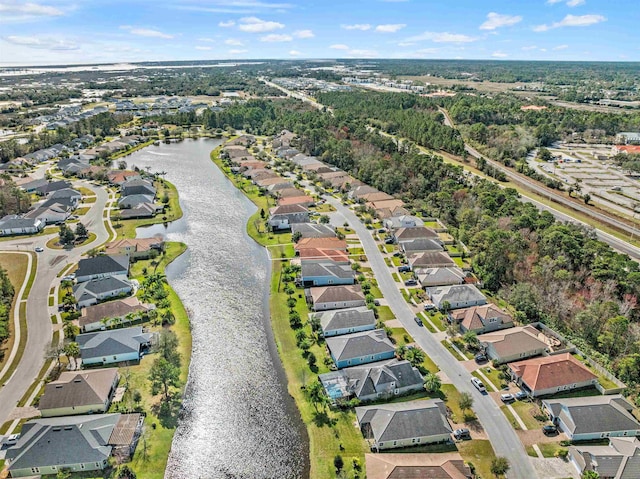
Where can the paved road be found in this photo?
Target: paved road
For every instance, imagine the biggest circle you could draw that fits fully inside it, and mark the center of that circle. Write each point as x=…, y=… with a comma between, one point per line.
x=502, y=436
x=39, y=327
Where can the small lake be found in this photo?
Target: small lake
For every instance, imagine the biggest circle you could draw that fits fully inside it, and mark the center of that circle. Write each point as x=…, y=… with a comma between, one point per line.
x=239, y=421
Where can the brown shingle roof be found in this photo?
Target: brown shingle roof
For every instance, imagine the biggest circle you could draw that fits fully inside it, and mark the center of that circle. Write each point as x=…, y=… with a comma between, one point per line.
x=296, y=200
x=416, y=466
x=287, y=209
x=551, y=371
x=81, y=388
x=332, y=254
x=334, y=294
x=321, y=243
x=478, y=317
x=412, y=233
x=515, y=340
x=110, y=309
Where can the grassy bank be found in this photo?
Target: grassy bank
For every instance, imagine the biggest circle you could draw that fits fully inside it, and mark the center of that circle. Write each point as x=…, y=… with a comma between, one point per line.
x=16, y=267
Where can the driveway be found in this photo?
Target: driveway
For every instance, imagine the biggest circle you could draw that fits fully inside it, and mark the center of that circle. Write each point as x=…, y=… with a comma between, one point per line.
x=39, y=326
x=504, y=439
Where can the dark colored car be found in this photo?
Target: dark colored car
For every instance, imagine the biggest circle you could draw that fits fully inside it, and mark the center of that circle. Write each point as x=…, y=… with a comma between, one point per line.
x=404, y=269
x=549, y=430
x=418, y=321
x=480, y=358
x=388, y=241
x=462, y=434
x=520, y=395
x=410, y=282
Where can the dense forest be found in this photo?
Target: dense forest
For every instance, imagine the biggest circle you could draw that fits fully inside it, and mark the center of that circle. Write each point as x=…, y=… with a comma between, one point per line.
x=6, y=297
x=13, y=200
x=552, y=272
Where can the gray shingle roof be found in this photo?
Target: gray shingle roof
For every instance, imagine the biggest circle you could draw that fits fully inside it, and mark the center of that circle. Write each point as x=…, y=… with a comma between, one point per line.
x=63, y=441
x=397, y=421
x=326, y=268
x=112, y=342
x=455, y=293
x=356, y=345
x=594, y=414
x=312, y=230
x=14, y=221
x=420, y=244
x=345, y=318
x=103, y=264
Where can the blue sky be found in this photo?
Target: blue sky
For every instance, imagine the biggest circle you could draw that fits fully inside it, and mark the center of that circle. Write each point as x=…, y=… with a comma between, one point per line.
x=40, y=32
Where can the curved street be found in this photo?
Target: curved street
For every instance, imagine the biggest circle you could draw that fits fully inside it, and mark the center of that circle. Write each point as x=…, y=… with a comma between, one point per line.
x=39, y=325
x=500, y=432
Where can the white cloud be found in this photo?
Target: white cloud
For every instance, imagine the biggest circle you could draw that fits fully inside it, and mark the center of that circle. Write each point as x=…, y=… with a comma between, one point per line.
x=256, y=25
x=496, y=20
x=303, y=34
x=42, y=43
x=233, y=42
x=200, y=47
x=357, y=26
x=206, y=39
x=294, y=53
x=572, y=21
x=561, y=47
x=363, y=53
x=499, y=55
x=406, y=44
x=442, y=37
x=16, y=12
x=227, y=24
x=529, y=48
x=570, y=3
x=146, y=32
x=276, y=38
x=390, y=27
x=339, y=46
x=234, y=6
x=237, y=52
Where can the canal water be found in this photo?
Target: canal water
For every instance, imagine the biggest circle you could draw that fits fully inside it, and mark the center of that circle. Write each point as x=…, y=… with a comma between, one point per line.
x=239, y=421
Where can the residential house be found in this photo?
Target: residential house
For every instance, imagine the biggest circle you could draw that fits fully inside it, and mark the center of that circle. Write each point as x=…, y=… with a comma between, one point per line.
x=290, y=192
x=50, y=213
x=385, y=212
x=137, y=187
x=102, y=266
x=373, y=381
x=276, y=180
x=547, y=375
x=428, y=277
x=101, y=316
x=455, y=296
x=44, y=187
x=337, y=256
x=376, y=196
x=325, y=272
x=136, y=248
x=66, y=194
x=331, y=243
x=405, y=221
x=514, y=344
x=593, y=417
x=143, y=210
x=404, y=234
x=447, y=465
x=134, y=201
x=619, y=460
x=360, y=348
x=335, y=297
x=438, y=259
x=481, y=319
x=96, y=290
x=362, y=190
x=73, y=443
x=383, y=206
x=275, y=188
x=336, y=322
x=282, y=217
x=79, y=392
x=404, y=424
x=302, y=200
x=119, y=177
x=420, y=245
x=113, y=346
x=312, y=230
x=18, y=225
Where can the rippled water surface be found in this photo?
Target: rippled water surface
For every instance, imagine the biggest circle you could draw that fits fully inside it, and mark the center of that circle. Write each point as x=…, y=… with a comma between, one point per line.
x=239, y=421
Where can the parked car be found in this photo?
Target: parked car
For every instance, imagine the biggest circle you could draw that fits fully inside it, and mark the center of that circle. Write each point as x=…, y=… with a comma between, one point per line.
x=521, y=395
x=11, y=440
x=376, y=302
x=480, y=358
x=507, y=397
x=39, y=249
x=418, y=321
x=69, y=277
x=404, y=269
x=463, y=433
x=388, y=241
x=478, y=385
x=382, y=230
x=549, y=430
x=429, y=307
x=410, y=282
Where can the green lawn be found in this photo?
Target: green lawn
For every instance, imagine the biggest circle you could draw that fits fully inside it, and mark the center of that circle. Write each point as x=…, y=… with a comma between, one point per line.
x=396, y=261
x=438, y=319
x=396, y=278
x=453, y=352
x=385, y=313
x=461, y=262
x=388, y=262
x=530, y=414
x=452, y=398
x=494, y=376
x=480, y=454
x=549, y=449
x=510, y=417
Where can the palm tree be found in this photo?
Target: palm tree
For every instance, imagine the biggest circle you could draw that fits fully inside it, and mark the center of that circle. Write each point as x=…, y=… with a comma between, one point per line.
x=432, y=383
x=168, y=317
x=465, y=401
x=499, y=466
x=72, y=350
x=315, y=394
